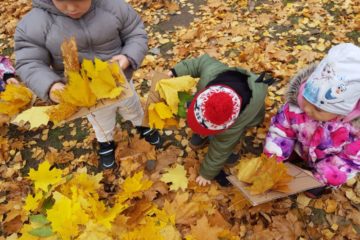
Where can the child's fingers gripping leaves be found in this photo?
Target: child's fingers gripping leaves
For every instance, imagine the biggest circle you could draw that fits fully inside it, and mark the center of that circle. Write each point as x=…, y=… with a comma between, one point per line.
x=12, y=81
x=56, y=87
x=122, y=60
x=202, y=181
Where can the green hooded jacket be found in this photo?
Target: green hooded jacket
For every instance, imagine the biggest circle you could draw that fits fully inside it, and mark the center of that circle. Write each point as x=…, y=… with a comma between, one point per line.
x=222, y=145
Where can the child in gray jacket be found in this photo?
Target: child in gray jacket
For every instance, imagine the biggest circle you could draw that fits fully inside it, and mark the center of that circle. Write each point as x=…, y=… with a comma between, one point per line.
x=109, y=30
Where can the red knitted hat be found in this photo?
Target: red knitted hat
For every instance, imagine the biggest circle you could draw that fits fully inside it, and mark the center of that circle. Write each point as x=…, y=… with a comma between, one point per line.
x=213, y=110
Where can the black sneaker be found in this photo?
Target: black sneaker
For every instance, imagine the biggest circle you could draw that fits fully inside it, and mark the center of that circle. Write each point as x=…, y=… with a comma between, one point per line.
x=198, y=142
x=222, y=180
x=232, y=160
x=107, y=155
x=150, y=135
x=315, y=192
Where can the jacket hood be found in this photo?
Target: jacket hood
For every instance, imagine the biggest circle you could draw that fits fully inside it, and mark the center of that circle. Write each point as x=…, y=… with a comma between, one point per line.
x=295, y=83
x=48, y=5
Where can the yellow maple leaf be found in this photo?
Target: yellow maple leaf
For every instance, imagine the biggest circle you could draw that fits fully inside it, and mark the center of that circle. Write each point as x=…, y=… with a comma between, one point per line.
x=162, y=217
x=44, y=177
x=32, y=202
x=134, y=186
x=36, y=116
x=87, y=183
x=147, y=231
x=162, y=110
x=247, y=169
x=160, y=116
x=66, y=215
x=95, y=231
x=61, y=112
x=14, y=98
x=103, y=83
x=154, y=120
x=261, y=183
x=177, y=177
x=169, y=88
x=106, y=218
x=72, y=93
x=157, y=225
x=117, y=72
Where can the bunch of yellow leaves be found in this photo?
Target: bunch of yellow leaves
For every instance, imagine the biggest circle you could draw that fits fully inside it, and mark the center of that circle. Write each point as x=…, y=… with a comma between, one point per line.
x=160, y=116
x=264, y=173
x=14, y=99
x=87, y=83
x=93, y=82
x=169, y=89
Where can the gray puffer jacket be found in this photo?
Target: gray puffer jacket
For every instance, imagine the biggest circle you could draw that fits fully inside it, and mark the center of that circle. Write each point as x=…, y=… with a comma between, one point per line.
x=109, y=28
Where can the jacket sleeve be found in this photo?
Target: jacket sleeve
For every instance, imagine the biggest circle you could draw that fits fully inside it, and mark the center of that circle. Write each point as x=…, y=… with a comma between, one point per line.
x=196, y=67
x=33, y=62
x=280, y=139
x=133, y=34
x=336, y=169
x=220, y=148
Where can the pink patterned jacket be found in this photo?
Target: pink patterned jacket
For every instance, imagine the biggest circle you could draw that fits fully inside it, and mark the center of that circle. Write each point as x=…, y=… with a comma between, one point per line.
x=331, y=149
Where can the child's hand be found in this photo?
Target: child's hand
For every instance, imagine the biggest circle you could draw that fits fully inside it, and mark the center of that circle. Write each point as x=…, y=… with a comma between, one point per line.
x=12, y=81
x=170, y=74
x=202, y=181
x=55, y=88
x=122, y=60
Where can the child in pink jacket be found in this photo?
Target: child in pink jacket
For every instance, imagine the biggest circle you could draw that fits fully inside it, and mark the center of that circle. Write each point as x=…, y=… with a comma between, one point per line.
x=320, y=119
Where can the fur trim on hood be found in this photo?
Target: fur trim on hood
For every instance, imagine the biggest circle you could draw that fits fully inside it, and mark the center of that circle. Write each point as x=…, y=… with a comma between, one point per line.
x=295, y=83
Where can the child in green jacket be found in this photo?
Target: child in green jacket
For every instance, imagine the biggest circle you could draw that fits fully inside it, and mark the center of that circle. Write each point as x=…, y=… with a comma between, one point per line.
x=229, y=100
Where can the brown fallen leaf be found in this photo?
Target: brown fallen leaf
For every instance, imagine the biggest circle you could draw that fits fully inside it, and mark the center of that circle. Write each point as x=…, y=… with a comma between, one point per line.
x=184, y=209
x=203, y=230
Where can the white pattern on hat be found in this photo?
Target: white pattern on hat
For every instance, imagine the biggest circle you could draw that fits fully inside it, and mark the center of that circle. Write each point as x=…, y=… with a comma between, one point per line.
x=334, y=86
x=199, y=107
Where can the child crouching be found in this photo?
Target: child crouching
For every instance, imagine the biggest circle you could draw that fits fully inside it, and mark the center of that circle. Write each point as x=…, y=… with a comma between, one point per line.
x=320, y=119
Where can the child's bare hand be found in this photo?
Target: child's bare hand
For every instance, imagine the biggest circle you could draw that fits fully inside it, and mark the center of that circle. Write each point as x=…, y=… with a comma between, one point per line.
x=170, y=74
x=202, y=181
x=122, y=60
x=56, y=87
x=12, y=81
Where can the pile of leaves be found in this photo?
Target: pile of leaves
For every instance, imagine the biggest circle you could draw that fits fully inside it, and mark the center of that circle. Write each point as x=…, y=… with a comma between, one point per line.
x=263, y=173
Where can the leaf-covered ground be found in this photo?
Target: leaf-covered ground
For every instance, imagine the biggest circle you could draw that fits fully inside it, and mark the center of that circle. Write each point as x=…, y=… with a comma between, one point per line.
x=277, y=36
